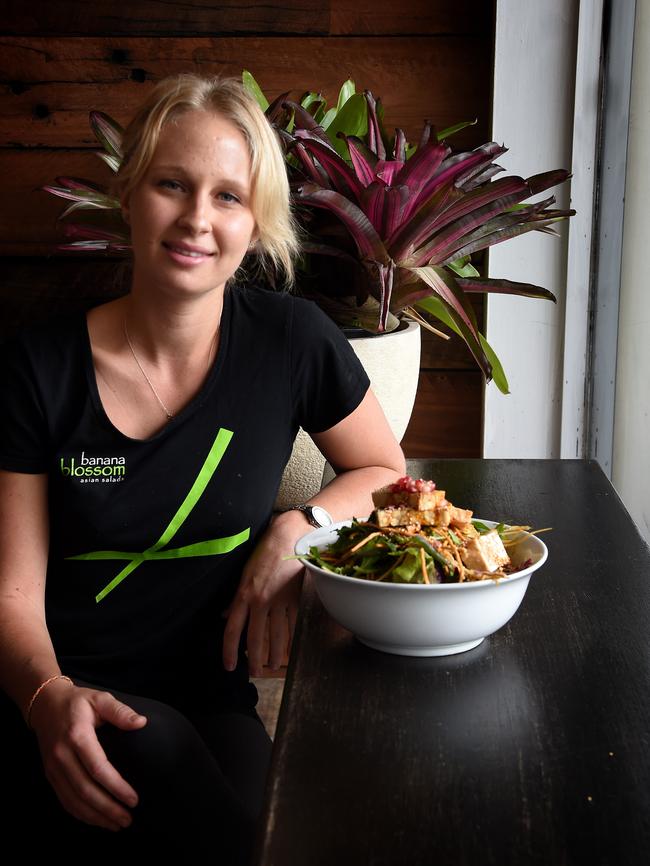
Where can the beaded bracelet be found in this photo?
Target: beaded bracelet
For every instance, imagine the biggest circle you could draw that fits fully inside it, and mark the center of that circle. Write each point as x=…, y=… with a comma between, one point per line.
x=39, y=690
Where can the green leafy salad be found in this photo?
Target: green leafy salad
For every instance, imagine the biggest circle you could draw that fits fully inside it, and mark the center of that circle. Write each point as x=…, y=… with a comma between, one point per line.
x=416, y=536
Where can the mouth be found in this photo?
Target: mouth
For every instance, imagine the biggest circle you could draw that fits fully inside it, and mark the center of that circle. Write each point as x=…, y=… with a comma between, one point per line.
x=187, y=251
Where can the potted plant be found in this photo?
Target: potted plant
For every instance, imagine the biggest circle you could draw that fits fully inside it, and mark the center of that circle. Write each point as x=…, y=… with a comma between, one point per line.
x=400, y=224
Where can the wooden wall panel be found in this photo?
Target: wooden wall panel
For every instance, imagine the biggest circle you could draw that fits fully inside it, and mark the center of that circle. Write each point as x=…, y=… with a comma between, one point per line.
x=51, y=84
x=446, y=420
x=203, y=17
x=151, y=17
x=412, y=16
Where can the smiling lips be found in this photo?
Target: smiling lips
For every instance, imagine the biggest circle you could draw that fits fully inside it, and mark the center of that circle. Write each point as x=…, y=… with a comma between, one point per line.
x=184, y=253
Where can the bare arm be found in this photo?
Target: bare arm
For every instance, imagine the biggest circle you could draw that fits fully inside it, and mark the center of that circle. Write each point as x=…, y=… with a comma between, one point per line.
x=366, y=455
x=64, y=717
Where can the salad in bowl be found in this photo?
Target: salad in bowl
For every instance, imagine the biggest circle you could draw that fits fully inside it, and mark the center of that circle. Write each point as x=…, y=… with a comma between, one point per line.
x=421, y=576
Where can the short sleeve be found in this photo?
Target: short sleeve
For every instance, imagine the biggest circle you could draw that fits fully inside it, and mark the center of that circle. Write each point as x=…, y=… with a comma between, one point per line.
x=23, y=428
x=328, y=380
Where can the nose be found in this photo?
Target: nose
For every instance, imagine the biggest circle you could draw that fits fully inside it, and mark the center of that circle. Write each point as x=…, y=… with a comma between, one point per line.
x=194, y=216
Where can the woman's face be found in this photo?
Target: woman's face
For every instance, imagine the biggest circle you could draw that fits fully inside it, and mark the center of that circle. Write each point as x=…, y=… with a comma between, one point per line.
x=190, y=215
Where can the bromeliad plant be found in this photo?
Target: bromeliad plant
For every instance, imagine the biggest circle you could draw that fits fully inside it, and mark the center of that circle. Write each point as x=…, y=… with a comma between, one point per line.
x=414, y=222
x=405, y=220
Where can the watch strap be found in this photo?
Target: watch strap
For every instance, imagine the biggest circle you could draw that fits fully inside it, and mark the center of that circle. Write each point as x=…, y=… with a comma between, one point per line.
x=308, y=511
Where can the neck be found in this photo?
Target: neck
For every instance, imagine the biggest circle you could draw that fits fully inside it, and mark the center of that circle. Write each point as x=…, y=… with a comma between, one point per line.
x=172, y=331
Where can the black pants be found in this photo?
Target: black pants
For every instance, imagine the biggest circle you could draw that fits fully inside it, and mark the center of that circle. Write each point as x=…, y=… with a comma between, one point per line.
x=199, y=777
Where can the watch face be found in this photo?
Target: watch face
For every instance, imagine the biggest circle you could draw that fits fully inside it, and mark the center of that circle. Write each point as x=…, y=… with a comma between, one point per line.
x=321, y=517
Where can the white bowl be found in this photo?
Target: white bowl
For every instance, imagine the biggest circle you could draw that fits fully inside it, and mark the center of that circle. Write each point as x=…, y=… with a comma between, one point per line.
x=421, y=619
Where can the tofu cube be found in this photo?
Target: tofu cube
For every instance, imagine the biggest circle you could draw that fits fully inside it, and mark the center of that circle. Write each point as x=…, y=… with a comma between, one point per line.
x=485, y=553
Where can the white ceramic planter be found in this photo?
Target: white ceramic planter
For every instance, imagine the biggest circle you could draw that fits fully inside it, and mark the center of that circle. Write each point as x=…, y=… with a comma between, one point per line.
x=392, y=362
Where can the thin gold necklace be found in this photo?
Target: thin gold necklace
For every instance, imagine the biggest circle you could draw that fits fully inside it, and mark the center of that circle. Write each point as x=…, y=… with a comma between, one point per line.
x=167, y=412
x=142, y=370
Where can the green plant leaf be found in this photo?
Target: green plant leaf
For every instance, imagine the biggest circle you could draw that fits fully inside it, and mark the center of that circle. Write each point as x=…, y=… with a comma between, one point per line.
x=464, y=268
x=441, y=310
x=311, y=98
x=347, y=90
x=498, y=374
x=452, y=130
x=445, y=286
x=327, y=118
x=254, y=89
x=352, y=119
x=434, y=307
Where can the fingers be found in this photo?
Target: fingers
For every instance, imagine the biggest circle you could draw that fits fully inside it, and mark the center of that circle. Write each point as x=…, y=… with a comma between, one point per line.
x=88, y=786
x=279, y=636
x=268, y=593
x=117, y=713
x=258, y=617
x=255, y=643
x=86, y=802
x=83, y=785
x=93, y=758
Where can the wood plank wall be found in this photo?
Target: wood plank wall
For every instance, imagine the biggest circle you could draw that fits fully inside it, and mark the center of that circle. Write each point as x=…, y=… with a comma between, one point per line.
x=425, y=58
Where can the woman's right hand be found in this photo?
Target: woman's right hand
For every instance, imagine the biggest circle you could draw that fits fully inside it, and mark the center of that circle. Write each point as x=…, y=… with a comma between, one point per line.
x=64, y=718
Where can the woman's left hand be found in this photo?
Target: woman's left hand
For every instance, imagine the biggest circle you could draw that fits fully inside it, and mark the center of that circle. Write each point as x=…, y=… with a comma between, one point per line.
x=268, y=592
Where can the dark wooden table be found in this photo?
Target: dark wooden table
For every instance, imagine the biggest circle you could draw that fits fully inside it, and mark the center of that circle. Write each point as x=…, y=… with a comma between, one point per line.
x=532, y=748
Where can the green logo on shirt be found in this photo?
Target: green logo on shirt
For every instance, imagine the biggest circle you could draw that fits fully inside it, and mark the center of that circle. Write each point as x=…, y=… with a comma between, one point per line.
x=95, y=468
x=211, y=547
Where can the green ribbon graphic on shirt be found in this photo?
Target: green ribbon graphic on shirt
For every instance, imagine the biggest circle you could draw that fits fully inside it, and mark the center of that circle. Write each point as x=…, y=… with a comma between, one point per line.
x=201, y=548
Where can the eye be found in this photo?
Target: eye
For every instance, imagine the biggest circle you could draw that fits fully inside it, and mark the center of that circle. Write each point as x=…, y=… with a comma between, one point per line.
x=166, y=183
x=228, y=197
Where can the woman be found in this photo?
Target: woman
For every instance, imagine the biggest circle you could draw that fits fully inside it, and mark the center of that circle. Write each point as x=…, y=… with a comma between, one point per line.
x=142, y=448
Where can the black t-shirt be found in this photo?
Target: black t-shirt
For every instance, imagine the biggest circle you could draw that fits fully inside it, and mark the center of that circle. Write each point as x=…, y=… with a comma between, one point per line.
x=149, y=537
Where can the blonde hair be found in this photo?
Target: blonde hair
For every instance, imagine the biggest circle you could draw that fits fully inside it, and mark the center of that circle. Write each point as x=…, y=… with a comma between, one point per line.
x=277, y=239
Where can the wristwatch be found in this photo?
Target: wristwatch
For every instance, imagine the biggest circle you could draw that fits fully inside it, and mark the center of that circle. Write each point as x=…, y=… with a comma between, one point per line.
x=316, y=515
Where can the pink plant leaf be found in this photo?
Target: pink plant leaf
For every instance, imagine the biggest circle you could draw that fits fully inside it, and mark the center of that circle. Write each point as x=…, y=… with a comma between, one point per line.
x=399, y=148
x=340, y=175
x=445, y=286
x=505, y=287
x=375, y=140
x=386, y=170
x=314, y=173
x=357, y=223
x=497, y=237
x=450, y=238
x=423, y=165
x=363, y=160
